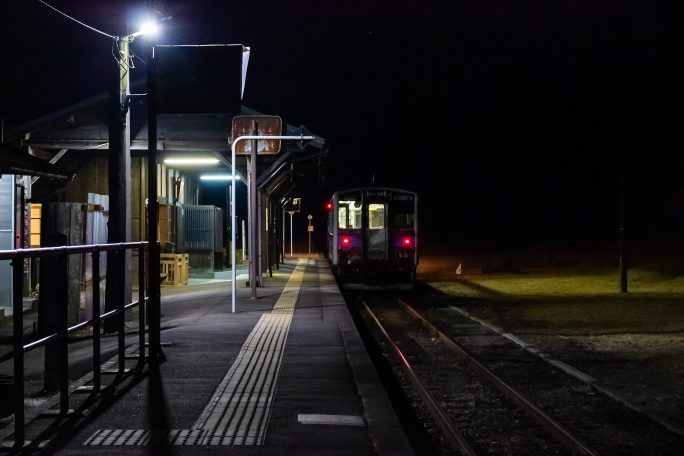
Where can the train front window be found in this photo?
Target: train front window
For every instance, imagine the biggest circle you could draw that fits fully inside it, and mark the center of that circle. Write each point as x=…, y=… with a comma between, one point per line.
x=376, y=216
x=403, y=214
x=349, y=215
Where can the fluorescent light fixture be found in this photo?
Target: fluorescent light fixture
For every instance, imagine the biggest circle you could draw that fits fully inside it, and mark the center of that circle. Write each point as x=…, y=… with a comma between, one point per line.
x=218, y=177
x=191, y=161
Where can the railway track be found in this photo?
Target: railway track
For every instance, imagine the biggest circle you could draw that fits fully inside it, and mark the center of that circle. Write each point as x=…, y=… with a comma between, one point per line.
x=510, y=403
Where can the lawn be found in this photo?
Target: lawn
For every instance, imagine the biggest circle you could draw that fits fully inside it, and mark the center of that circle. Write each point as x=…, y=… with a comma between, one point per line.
x=571, y=301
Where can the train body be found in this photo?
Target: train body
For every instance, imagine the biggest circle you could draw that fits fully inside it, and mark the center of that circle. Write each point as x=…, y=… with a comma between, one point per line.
x=373, y=236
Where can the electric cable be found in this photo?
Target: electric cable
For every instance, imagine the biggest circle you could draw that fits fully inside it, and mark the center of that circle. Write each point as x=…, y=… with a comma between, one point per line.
x=79, y=22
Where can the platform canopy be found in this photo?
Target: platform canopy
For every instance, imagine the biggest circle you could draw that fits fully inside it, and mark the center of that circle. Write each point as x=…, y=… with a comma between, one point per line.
x=75, y=134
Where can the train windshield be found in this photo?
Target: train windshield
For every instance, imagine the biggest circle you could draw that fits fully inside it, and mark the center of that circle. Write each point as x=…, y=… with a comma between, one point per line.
x=376, y=216
x=403, y=211
x=377, y=232
x=349, y=214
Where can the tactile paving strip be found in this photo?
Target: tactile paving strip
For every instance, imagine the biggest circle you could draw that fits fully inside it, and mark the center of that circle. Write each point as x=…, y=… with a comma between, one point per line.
x=239, y=409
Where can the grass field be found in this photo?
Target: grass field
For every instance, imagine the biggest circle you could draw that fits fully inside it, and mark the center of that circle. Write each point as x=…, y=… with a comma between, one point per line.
x=572, y=300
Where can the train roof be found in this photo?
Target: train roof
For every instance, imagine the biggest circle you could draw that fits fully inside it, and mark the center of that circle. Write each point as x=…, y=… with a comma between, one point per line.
x=361, y=189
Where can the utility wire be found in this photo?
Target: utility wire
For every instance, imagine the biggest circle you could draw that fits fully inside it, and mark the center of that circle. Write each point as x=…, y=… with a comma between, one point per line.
x=79, y=22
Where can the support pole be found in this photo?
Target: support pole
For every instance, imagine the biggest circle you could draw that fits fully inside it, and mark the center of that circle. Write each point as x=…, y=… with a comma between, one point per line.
x=232, y=161
x=252, y=222
x=291, y=232
x=18, y=347
x=155, y=351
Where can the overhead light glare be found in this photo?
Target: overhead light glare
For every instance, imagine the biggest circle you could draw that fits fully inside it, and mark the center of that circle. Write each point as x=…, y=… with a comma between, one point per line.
x=218, y=177
x=191, y=161
x=149, y=28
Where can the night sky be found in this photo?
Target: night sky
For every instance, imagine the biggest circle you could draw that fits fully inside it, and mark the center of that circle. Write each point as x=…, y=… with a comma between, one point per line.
x=510, y=118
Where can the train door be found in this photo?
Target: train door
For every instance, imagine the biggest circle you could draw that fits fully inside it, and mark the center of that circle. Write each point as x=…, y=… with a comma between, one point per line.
x=376, y=232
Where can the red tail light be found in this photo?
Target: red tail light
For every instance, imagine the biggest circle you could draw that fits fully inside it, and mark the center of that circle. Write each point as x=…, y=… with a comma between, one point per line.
x=346, y=241
x=328, y=206
x=406, y=242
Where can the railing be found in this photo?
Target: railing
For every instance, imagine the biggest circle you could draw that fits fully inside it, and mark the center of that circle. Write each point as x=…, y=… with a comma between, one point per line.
x=61, y=336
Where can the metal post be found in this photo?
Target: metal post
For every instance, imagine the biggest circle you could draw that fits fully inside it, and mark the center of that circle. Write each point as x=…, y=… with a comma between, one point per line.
x=232, y=156
x=623, y=211
x=18, y=347
x=308, y=229
x=291, y=232
x=121, y=329
x=244, y=242
x=96, y=321
x=155, y=351
x=141, y=305
x=233, y=229
x=229, y=189
x=252, y=222
x=282, y=247
x=63, y=342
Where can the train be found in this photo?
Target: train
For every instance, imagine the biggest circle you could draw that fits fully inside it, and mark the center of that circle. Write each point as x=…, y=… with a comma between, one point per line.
x=373, y=237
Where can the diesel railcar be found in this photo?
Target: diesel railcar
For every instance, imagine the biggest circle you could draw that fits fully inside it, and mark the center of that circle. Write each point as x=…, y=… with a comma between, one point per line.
x=373, y=236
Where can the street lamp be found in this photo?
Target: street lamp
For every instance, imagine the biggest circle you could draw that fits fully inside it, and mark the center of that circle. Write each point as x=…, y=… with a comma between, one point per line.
x=119, y=225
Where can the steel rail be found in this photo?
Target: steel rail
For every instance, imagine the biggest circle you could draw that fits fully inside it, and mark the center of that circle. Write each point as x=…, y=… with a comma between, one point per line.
x=440, y=415
x=547, y=422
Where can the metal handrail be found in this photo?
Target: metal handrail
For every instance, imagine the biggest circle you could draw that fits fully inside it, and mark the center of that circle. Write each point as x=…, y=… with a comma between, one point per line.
x=19, y=348
x=67, y=250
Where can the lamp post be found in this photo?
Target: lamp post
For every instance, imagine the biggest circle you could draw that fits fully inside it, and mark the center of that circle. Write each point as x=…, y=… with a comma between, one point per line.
x=119, y=225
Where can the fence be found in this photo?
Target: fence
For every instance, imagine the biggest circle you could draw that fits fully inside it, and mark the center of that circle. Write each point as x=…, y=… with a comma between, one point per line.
x=174, y=268
x=59, y=338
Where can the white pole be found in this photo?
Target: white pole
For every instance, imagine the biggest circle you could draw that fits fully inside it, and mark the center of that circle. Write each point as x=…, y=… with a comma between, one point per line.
x=233, y=285
x=233, y=228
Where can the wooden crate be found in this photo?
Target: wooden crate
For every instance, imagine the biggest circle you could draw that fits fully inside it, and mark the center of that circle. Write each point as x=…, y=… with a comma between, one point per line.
x=174, y=268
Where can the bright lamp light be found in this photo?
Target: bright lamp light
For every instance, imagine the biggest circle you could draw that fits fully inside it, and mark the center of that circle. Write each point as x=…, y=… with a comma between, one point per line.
x=218, y=177
x=192, y=161
x=149, y=28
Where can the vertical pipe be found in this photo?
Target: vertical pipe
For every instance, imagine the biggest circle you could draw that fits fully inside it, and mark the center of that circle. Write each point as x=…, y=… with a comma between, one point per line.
x=18, y=347
x=155, y=352
x=96, y=321
x=141, y=305
x=291, y=232
x=282, y=247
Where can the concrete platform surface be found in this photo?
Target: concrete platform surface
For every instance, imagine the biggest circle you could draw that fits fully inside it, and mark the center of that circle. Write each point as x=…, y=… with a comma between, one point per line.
x=286, y=374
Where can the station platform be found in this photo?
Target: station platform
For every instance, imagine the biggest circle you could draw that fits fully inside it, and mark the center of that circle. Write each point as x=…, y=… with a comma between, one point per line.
x=286, y=374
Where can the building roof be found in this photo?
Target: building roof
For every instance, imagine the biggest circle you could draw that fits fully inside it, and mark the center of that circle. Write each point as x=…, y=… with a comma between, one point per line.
x=84, y=127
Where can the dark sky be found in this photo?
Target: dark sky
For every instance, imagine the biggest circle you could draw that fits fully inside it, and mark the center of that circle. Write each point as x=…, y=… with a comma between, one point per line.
x=508, y=117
